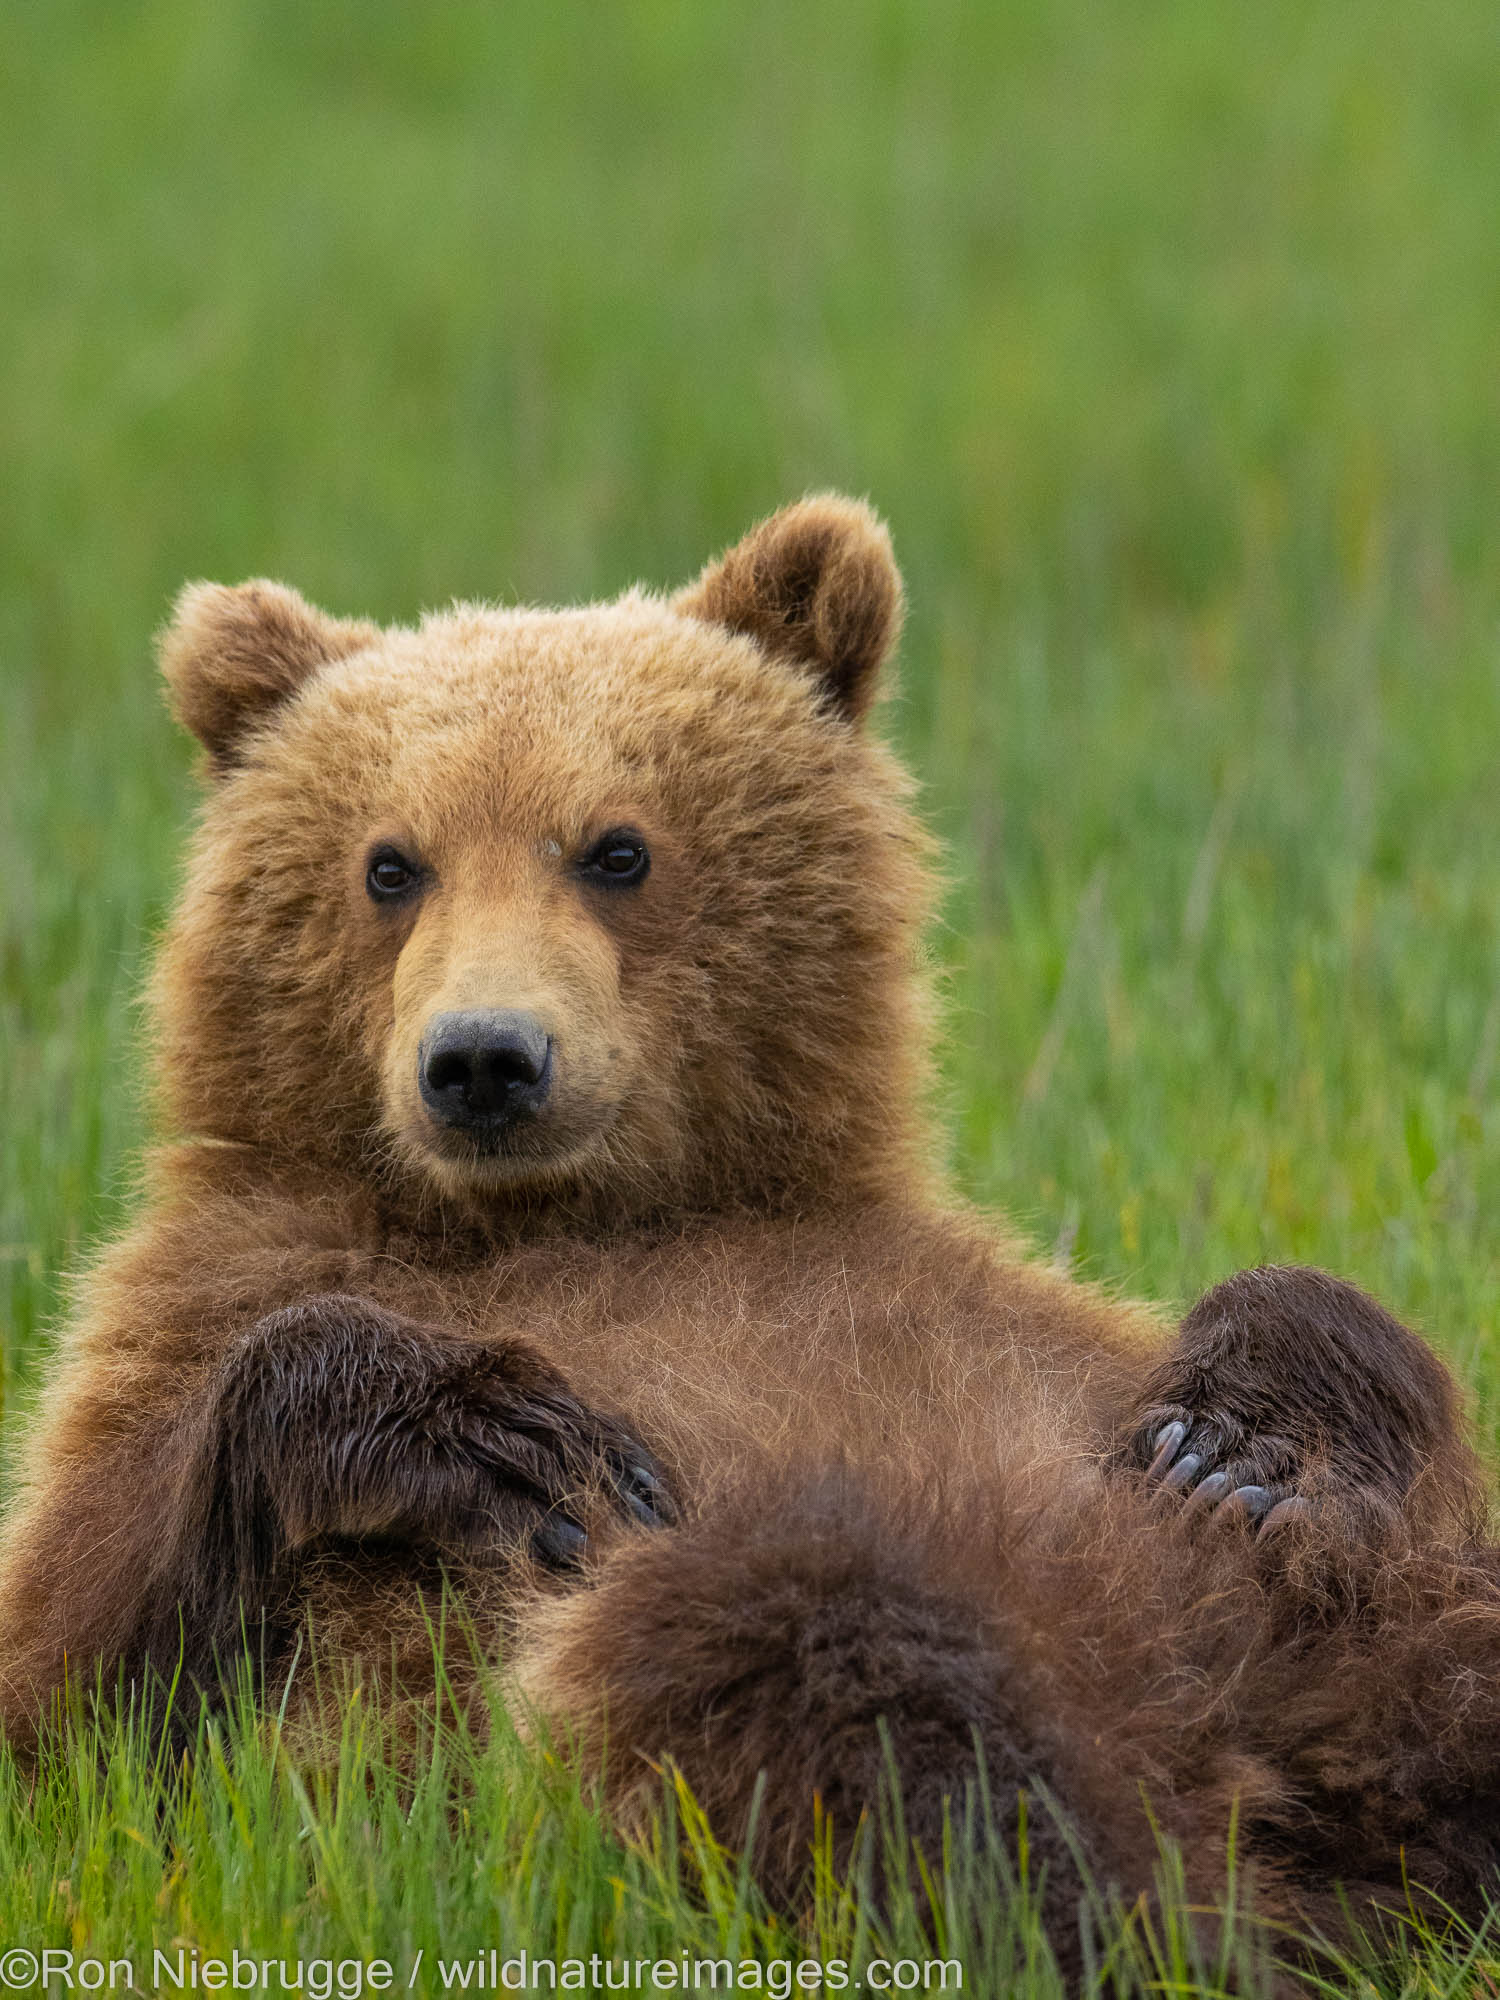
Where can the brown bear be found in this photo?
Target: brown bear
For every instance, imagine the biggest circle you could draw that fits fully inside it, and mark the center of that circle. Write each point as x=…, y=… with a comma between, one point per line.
x=549, y=1208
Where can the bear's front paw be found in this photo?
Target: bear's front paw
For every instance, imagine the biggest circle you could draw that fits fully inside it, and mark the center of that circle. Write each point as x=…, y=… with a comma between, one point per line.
x=336, y=1418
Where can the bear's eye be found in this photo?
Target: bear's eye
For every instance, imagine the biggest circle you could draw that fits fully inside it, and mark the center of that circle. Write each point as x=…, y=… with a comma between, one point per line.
x=390, y=875
x=620, y=859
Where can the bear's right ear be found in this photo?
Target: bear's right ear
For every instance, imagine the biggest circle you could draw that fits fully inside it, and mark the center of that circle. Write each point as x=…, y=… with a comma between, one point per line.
x=817, y=586
x=232, y=655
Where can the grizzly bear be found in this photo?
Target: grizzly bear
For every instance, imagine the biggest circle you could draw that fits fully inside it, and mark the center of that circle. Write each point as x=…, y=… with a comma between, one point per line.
x=549, y=1209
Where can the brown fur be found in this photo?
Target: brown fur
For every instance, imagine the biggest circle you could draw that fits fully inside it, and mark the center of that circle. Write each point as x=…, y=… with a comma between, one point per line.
x=895, y=1466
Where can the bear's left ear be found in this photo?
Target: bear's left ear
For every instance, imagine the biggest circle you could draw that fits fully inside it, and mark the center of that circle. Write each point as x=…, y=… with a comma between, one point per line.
x=231, y=656
x=816, y=585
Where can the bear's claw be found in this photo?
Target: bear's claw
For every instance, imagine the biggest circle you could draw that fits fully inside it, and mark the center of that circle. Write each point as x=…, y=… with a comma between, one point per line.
x=646, y=1495
x=1165, y=1445
x=561, y=1543
x=1251, y=1501
x=1170, y=1469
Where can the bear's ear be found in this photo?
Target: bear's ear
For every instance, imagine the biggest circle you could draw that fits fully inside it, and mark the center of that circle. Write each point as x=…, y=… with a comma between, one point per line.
x=817, y=585
x=231, y=655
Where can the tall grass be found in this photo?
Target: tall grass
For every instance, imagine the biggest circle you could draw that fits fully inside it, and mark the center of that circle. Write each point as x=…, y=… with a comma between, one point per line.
x=485, y=1845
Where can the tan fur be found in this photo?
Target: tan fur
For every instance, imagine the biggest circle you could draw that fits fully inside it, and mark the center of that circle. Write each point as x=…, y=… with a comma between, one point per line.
x=729, y=1226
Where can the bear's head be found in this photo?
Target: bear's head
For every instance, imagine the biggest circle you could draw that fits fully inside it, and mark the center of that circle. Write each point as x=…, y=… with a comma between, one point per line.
x=617, y=908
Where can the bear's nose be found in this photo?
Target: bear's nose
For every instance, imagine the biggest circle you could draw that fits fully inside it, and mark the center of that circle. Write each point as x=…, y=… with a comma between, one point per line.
x=485, y=1070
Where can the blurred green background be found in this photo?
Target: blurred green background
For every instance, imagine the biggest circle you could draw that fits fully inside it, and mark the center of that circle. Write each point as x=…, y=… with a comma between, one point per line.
x=1164, y=334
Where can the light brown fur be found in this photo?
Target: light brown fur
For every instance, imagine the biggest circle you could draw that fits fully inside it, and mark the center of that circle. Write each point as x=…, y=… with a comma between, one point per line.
x=895, y=1443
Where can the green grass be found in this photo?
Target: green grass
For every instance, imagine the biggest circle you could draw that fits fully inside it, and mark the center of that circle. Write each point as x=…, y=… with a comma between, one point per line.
x=1165, y=336
x=234, y=1852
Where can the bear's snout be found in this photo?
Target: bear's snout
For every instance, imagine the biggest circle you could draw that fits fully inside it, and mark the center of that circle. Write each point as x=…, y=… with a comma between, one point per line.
x=485, y=1070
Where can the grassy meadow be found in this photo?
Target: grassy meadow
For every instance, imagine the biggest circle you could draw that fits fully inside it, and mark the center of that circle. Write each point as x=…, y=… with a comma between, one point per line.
x=1166, y=336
